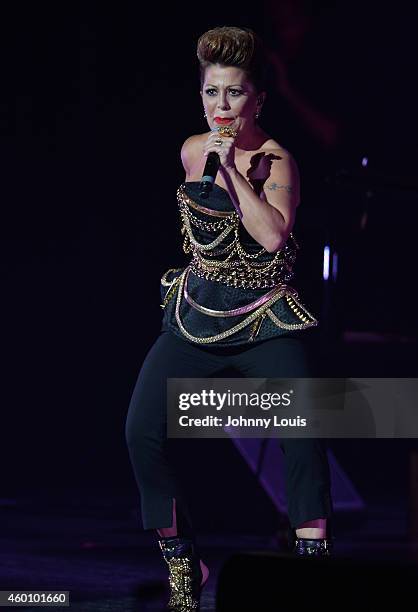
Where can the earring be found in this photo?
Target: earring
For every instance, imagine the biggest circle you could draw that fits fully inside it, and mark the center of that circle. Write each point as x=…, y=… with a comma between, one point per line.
x=257, y=115
x=205, y=115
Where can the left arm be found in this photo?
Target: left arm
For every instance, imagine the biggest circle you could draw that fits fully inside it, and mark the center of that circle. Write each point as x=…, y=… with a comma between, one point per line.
x=269, y=218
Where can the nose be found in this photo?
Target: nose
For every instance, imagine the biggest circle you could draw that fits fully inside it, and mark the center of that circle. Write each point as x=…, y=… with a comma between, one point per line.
x=223, y=101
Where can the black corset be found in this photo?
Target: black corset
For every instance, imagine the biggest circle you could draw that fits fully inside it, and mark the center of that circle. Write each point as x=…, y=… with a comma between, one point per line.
x=233, y=291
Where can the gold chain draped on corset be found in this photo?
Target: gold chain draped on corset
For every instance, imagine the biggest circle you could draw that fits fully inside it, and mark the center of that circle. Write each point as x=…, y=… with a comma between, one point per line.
x=231, y=265
x=223, y=259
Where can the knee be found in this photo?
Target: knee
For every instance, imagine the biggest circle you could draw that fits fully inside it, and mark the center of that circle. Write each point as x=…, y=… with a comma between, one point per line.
x=307, y=454
x=135, y=435
x=135, y=424
x=143, y=438
x=130, y=436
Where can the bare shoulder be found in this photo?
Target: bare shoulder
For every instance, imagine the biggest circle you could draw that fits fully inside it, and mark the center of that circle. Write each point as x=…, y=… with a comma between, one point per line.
x=273, y=162
x=278, y=174
x=273, y=148
x=280, y=162
x=192, y=149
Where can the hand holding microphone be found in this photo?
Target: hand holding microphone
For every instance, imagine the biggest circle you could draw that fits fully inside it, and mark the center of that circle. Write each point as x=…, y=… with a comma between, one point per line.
x=219, y=150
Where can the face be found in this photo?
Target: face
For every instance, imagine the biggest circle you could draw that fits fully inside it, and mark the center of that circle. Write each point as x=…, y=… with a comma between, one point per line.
x=229, y=97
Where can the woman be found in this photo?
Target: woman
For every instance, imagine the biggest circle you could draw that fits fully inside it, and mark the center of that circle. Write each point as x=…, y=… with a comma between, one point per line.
x=230, y=306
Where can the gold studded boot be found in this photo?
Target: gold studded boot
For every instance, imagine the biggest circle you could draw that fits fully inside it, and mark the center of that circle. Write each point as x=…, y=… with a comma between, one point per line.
x=185, y=575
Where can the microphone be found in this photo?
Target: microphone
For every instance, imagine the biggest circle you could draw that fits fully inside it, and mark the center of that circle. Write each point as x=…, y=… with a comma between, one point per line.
x=212, y=164
x=209, y=174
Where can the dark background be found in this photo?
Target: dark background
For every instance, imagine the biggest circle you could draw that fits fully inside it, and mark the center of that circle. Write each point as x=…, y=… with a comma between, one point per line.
x=96, y=101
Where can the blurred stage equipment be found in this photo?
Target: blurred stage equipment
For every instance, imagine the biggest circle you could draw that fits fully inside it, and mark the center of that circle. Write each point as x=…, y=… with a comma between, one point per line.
x=266, y=581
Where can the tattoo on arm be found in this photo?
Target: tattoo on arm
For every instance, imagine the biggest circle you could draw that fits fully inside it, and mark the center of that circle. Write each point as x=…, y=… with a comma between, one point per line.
x=276, y=186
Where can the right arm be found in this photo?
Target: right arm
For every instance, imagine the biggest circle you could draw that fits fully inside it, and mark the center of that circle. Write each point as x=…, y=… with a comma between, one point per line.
x=191, y=151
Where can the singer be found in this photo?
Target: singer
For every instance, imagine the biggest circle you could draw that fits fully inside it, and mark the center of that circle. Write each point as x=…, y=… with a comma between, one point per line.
x=230, y=306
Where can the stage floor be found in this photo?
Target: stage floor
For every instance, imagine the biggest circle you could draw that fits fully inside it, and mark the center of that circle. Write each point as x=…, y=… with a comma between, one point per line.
x=98, y=552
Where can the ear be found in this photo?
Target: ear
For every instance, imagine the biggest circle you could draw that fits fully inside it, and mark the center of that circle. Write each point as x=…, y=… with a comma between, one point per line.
x=261, y=98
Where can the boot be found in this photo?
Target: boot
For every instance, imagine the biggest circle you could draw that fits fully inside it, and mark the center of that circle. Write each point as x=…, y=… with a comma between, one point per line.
x=320, y=547
x=185, y=575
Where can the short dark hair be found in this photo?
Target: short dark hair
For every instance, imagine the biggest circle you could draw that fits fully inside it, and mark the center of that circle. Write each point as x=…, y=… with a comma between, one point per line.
x=231, y=46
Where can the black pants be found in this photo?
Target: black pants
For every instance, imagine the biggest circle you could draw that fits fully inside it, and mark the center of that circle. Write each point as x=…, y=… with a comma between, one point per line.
x=306, y=465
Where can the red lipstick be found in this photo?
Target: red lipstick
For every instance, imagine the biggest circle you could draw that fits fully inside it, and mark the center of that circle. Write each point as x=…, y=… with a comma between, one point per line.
x=223, y=120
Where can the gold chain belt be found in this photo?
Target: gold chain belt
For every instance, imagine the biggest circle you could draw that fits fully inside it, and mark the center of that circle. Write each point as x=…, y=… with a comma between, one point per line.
x=234, y=311
x=234, y=274
x=256, y=316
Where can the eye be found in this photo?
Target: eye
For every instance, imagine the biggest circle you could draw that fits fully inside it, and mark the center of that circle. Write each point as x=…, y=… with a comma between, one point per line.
x=235, y=92
x=210, y=91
